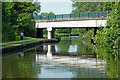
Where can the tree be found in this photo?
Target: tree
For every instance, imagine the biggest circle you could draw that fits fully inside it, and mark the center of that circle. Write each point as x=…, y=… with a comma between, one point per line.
x=37, y=4
x=109, y=35
x=46, y=14
x=80, y=7
x=16, y=17
x=108, y=6
x=24, y=12
x=8, y=33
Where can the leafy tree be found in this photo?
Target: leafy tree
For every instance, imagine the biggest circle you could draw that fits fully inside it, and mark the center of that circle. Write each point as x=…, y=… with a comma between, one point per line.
x=16, y=17
x=37, y=4
x=46, y=14
x=24, y=16
x=8, y=33
x=108, y=5
x=87, y=7
x=0, y=22
x=109, y=35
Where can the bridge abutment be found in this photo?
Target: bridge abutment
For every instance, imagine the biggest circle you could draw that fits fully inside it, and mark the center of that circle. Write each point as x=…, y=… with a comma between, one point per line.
x=53, y=33
x=39, y=33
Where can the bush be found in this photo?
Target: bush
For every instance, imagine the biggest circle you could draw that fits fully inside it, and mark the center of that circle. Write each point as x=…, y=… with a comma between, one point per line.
x=108, y=36
x=8, y=33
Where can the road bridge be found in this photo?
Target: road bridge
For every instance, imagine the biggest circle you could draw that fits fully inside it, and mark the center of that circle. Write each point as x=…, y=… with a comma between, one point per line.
x=79, y=20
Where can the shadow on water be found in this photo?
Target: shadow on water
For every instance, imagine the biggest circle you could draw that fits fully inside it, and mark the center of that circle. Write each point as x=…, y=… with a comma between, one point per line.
x=71, y=58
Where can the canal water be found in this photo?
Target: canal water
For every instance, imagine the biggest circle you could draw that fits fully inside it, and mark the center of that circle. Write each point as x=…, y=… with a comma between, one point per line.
x=72, y=57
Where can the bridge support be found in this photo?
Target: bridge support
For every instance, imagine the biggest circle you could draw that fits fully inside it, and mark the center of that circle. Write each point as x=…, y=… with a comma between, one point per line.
x=49, y=33
x=39, y=33
x=53, y=33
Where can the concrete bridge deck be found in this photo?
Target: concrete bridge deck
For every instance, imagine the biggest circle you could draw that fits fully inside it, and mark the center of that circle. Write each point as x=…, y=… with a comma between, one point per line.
x=80, y=20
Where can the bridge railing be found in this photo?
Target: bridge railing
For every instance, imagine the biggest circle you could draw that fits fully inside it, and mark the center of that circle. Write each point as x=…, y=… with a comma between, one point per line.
x=76, y=15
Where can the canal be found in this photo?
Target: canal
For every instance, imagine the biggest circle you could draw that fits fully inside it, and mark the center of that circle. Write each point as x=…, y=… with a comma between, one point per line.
x=72, y=57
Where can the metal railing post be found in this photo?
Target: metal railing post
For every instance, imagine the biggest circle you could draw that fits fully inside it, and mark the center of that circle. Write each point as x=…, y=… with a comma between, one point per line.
x=79, y=15
x=98, y=14
x=62, y=16
x=48, y=17
x=70, y=15
x=55, y=16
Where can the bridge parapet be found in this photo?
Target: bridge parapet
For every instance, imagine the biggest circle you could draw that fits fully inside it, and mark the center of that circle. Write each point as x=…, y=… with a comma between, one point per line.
x=73, y=19
x=74, y=16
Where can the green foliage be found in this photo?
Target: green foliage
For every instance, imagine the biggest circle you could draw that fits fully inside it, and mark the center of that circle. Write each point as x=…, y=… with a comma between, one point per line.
x=24, y=38
x=17, y=17
x=8, y=33
x=37, y=8
x=111, y=58
x=24, y=16
x=63, y=32
x=108, y=36
x=87, y=7
x=46, y=14
x=108, y=5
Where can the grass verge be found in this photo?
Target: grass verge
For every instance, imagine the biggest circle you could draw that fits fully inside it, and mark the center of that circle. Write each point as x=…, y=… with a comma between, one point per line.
x=21, y=43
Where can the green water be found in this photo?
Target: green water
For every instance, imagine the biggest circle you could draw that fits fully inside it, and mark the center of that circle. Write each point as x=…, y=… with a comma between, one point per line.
x=72, y=58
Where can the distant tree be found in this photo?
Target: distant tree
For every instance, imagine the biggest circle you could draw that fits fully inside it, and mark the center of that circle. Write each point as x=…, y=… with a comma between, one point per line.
x=46, y=14
x=87, y=7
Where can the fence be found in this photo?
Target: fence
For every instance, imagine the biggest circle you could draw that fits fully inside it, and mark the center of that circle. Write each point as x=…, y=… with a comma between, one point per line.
x=76, y=15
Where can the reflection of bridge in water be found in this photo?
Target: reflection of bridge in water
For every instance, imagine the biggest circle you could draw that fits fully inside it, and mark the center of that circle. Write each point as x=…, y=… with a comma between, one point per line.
x=54, y=64
x=68, y=49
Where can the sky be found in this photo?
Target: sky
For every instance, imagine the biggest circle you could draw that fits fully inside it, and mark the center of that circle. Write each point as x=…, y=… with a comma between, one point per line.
x=61, y=7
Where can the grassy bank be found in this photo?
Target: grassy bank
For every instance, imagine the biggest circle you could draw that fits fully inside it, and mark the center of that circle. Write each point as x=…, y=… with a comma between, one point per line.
x=18, y=39
x=24, y=38
x=19, y=43
x=22, y=43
